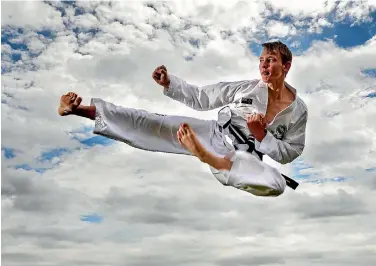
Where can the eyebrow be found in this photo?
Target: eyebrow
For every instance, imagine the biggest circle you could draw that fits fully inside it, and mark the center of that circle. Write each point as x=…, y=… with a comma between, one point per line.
x=268, y=56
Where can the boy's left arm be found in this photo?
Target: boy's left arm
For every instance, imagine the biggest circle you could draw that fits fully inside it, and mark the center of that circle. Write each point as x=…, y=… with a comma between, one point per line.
x=287, y=149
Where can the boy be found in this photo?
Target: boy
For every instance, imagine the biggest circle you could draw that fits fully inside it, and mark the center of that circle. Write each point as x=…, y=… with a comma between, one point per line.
x=260, y=116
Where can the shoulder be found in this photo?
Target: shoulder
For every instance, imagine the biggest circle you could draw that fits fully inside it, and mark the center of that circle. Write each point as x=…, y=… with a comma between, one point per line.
x=301, y=106
x=241, y=86
x=253, y=82
x=300, y=112
x=250, y=84
x=246, y=82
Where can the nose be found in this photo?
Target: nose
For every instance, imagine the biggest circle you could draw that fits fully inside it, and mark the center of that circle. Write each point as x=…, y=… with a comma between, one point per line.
x=263, y=64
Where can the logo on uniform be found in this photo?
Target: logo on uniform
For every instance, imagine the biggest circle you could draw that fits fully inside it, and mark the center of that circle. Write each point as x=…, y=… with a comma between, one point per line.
x=246, y=101
x=280, y=131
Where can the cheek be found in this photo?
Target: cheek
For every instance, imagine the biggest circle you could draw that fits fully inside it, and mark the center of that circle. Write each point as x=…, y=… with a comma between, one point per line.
x=276, y=69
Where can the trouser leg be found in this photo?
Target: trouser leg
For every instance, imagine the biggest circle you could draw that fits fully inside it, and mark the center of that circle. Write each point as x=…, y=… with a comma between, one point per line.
x=147, y=131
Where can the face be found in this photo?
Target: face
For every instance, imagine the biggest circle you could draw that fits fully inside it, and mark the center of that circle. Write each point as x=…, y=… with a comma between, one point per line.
x=271, y=67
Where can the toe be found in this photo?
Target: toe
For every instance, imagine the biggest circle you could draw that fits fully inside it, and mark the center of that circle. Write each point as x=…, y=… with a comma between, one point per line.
x=77, y=101
x=179, y=136
x=188, y=129
x=184, y=129
x=72, y=96
x=181, y=130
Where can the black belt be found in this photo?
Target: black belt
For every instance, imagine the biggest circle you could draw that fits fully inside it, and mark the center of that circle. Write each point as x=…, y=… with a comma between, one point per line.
x=236, y=132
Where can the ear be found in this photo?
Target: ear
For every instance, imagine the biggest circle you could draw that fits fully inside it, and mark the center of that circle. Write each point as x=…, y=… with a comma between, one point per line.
x=286, y=67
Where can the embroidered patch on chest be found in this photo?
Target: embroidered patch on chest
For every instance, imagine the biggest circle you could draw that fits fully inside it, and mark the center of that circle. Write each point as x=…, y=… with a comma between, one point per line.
x=280, y=131
x=246, y=101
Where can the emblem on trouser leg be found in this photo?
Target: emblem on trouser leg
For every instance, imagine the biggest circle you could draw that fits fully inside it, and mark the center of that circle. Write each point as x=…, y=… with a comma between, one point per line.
x=99, y=123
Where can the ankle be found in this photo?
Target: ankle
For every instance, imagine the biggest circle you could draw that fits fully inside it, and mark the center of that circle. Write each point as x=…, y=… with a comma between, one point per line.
x=219, y=163
x=204, y=156
x=85, y=111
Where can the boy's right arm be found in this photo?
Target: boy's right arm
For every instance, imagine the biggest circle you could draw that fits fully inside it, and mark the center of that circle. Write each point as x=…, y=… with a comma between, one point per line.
x=199, y=98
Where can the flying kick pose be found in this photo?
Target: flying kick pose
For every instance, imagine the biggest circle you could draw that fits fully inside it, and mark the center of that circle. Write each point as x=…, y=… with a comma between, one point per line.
x=258, y=116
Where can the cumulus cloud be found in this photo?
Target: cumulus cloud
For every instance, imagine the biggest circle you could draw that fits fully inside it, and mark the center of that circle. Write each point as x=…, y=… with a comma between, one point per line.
x=165, y=209
x=278, y=29
x=35, y=15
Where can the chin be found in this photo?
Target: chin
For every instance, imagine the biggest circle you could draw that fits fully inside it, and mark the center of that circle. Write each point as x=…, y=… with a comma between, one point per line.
x=265, y=79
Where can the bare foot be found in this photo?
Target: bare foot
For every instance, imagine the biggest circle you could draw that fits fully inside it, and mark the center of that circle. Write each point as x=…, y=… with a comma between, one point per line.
x=187, y=138
x=68, y=103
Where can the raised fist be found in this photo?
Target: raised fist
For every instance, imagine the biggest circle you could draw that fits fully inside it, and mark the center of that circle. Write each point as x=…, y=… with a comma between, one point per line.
x=160, y=76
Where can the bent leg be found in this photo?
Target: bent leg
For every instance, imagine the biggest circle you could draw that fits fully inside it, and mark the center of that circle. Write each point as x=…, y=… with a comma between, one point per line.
x=244, y=170
x=250, y=174
x=144, y=130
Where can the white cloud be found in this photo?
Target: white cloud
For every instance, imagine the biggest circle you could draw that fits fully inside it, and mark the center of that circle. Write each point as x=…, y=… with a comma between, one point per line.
x=295, y=44
x=168, y=208
x=86, y=21
x=35, y=45
x=357, y=11
x=6, y=49
x=279, y=29
x=298, y=8
x=35, y=15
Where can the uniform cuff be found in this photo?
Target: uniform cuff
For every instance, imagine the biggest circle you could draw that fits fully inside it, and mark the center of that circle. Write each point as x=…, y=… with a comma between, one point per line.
x=265, y=143
x=250, y=174
x=173, y=86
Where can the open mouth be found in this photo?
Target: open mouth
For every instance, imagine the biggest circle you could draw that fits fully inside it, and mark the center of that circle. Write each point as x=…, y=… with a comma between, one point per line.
x=266, y=73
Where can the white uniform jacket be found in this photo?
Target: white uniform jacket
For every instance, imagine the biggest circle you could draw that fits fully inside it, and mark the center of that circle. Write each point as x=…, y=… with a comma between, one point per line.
x=285, y=138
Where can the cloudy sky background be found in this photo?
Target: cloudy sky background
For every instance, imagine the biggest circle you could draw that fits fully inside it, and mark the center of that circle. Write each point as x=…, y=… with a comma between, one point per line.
x=72, y=198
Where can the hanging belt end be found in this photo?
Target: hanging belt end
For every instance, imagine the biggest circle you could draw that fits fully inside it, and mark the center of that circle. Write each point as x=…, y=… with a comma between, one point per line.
x=290, y=182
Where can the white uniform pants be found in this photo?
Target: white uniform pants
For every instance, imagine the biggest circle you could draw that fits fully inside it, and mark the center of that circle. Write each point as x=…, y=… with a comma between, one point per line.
x=155, y=132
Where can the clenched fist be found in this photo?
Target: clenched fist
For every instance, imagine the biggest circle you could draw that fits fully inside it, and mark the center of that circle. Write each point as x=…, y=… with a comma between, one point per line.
x=161, y=77
x=256, y=124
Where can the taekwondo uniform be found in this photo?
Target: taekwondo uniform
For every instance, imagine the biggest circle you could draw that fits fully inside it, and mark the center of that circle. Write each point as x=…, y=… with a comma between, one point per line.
x=227, y=136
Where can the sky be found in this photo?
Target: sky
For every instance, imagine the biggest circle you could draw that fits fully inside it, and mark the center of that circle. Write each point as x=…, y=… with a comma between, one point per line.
x=70, y=197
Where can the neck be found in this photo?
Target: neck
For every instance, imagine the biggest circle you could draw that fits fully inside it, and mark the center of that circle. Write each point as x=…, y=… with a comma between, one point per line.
x=276, y=88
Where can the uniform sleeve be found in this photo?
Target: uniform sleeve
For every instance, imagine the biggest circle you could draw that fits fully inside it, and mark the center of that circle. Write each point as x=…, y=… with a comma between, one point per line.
x=202, y=98
x=290, y=147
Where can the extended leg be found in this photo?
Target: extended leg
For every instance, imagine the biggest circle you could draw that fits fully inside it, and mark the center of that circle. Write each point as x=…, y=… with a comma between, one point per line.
x=138, y=128
x=148, y=131
x=179, y=135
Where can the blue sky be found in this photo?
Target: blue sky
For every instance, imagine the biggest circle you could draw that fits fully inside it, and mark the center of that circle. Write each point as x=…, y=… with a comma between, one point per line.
x=343, y=33
x=61, y=178
x=9, y=153
x=92, y=218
